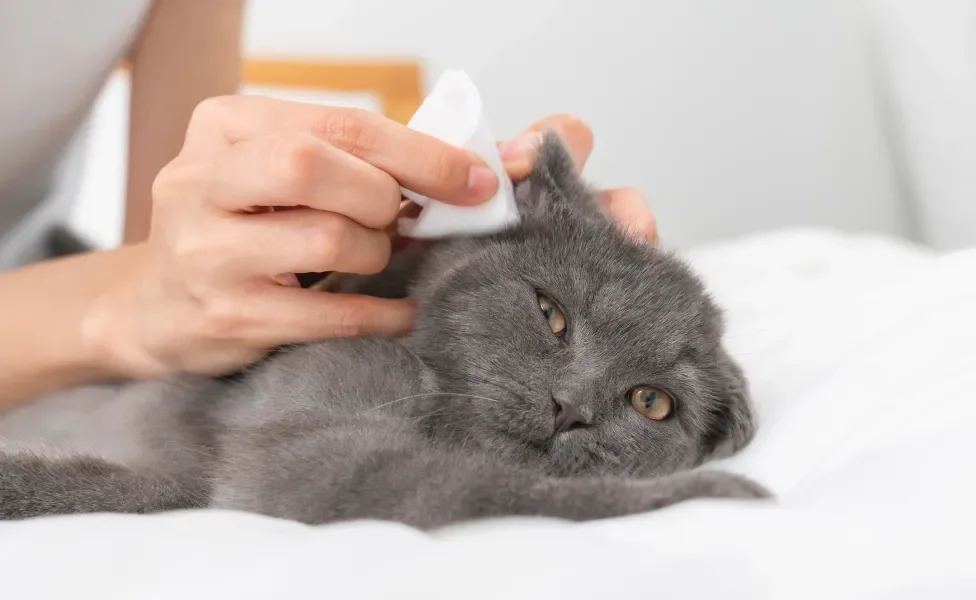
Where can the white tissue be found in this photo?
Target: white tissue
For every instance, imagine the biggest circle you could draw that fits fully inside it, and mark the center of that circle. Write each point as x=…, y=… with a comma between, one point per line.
x=453, y=113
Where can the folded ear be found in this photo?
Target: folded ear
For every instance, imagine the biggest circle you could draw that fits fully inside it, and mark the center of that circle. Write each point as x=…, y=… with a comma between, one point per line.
x=554, y=184
x=733, y=425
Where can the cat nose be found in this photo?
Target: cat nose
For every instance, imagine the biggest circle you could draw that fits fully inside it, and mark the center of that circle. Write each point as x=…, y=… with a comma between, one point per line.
x=567, y=416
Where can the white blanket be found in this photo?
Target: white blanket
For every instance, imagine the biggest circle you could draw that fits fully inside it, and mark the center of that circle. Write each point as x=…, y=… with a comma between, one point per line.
x=862, y=360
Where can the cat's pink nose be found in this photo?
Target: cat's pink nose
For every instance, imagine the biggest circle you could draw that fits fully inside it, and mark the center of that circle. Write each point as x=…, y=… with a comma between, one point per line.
x=567, y=416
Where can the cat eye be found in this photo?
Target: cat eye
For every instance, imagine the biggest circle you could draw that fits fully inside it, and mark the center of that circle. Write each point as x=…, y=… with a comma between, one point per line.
x=555, y=317
x=653, y=403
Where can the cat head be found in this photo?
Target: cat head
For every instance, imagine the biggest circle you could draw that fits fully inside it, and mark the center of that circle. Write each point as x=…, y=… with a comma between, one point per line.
x=571, y=346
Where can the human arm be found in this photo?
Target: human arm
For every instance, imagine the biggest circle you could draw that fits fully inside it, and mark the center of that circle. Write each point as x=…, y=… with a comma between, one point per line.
x=187, y=51
x=213, y=289
x=627, y=206
x=43, y=307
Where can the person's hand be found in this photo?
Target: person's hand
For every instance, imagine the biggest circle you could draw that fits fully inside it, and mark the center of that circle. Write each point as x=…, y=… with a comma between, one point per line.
x=263, y=189
x=626, y=205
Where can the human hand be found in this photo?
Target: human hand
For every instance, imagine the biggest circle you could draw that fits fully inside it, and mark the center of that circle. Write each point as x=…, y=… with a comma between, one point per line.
x=626, y=205
x=263, y=189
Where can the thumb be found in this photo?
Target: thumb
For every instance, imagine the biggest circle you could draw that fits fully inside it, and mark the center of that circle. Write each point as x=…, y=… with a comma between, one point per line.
x=518, y=154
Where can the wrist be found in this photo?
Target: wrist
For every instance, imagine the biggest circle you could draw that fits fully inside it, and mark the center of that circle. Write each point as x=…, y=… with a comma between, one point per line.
x=110, y=329
x=59, y=324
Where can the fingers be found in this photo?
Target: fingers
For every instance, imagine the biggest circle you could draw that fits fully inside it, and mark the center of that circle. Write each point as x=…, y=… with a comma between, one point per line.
x=629, y=209
x=294, y=241
x=304, y=315
x=627, y=206
x=417, y=161
x=301, y=170
x=518, y=155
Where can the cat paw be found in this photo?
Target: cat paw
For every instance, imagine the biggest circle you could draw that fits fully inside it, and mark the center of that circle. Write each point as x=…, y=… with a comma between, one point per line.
x=689, y=485
x=719, y=484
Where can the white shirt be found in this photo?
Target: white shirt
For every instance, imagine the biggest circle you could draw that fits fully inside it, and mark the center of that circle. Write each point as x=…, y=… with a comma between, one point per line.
x=55, y=55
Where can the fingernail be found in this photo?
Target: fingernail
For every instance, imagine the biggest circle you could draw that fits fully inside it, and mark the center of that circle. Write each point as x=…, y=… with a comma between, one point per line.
x=522, y=147
x=482, y=182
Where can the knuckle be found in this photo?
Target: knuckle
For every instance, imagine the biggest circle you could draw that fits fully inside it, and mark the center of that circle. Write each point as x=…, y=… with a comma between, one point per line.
x=388, y=204
x=223, y=317
x=296, y=161
x=450, y=167
x=444, y=168
x=165, y=183
x=440, y=167
x=350, y=322
x=210, y=110
x=325, y=242
x=350, y=130
x=174, y=183
x=380, y=257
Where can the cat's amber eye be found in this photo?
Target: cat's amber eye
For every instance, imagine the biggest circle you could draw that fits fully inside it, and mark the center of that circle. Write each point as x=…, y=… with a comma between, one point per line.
x=653, y=403
x=555, y=317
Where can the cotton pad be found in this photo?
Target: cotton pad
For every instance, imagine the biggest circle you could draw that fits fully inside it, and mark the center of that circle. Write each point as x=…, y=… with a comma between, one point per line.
x=453, y=113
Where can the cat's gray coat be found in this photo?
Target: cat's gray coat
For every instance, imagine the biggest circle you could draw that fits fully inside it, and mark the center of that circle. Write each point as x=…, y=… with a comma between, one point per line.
x=455, y=421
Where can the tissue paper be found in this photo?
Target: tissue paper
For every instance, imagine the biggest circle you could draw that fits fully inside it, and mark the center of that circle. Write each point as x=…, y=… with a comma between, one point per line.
x=453, y=113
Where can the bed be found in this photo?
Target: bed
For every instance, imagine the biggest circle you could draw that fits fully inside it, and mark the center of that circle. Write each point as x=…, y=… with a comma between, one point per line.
x=861, y=358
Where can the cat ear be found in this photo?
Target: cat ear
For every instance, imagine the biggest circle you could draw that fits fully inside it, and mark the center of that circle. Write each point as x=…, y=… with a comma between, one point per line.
x=733, y=424
x=555, y=183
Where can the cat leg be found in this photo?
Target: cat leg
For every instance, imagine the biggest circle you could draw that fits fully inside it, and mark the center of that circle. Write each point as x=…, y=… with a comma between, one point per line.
x=32, y=486
x=368, y=471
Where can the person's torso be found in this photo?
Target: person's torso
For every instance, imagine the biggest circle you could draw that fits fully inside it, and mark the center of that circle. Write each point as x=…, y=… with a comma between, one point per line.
x=54, y=58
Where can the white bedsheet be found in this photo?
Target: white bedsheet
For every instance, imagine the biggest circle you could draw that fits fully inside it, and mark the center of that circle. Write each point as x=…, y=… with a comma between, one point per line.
x=861, y=355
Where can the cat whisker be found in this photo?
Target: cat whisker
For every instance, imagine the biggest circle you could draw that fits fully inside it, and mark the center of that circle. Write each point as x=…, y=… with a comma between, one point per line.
x=521, y=390
x=415, y=396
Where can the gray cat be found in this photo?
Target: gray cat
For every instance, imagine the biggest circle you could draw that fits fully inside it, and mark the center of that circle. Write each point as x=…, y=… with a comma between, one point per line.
x=557, y=369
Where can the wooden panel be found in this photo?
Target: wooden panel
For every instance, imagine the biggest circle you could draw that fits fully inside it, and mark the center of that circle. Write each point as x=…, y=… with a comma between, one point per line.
x=399, y=84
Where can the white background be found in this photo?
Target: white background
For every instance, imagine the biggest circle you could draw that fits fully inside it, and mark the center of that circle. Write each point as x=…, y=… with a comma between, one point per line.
x=732, y=116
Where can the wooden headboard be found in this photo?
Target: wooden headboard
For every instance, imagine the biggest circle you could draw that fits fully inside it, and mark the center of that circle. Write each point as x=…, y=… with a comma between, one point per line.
x=398, y=84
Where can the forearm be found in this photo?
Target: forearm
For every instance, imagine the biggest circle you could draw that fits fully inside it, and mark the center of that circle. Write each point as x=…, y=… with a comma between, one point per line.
x=188, y=51
x=47, y=342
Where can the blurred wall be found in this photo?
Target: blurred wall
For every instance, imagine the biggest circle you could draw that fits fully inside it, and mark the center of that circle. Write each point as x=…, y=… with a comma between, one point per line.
x=732, y=116
x=925, y=54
